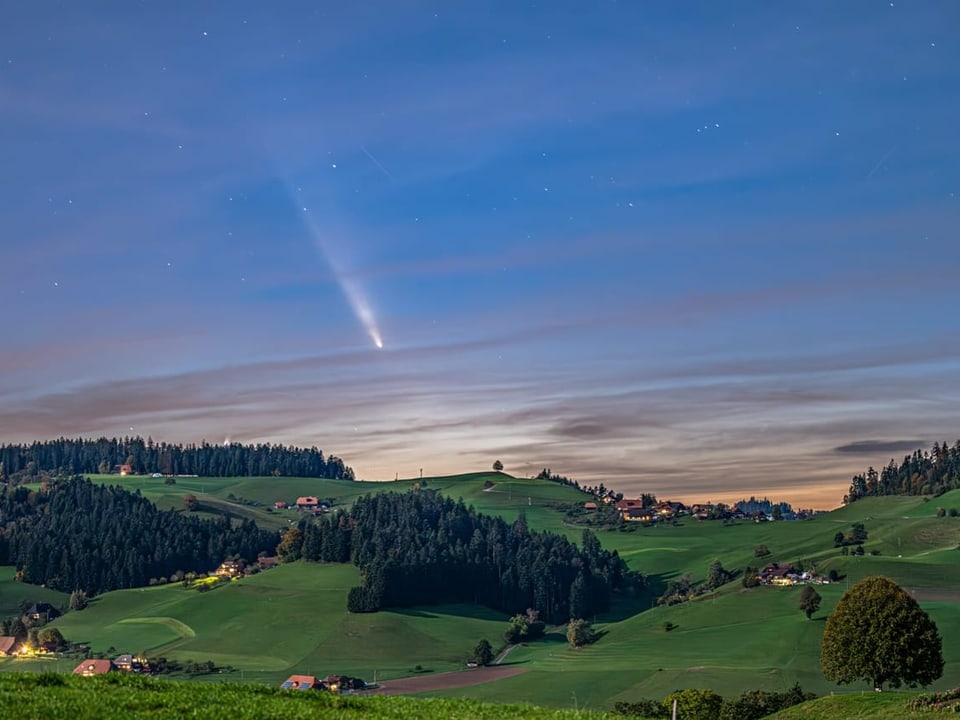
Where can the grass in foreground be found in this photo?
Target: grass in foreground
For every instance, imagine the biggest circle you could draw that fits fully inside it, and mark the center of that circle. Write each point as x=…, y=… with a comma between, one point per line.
x=51, y=697
x=872, y=705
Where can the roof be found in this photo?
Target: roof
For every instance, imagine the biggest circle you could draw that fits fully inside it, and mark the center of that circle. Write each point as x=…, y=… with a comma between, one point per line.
x=300, y=682
x=7, y=644
x=590, y=506
x=125, y=659
x=777, y=569
x=308, y=500
x=93, y=667
x=41, y=608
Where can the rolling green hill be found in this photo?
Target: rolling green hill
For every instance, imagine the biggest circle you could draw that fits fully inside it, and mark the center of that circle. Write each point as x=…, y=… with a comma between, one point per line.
x=12, y=593
x=293, y=618
x=286, y=620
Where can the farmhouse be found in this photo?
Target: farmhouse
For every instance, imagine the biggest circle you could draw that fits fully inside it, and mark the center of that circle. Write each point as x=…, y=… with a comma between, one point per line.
x=131, y=663
x=265, y=563
x=89, y=668
x=8, y=645
x=303, y=682
x=668, y=509
x=229, y=569
x=589, y=506
x=777, y=574
x=308, y=502
x=42, y=612
x=281, y=505
x=639, y=514
x=336, y=683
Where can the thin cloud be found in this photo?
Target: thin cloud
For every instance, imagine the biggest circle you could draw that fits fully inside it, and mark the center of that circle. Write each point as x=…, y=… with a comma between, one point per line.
x=877, y=447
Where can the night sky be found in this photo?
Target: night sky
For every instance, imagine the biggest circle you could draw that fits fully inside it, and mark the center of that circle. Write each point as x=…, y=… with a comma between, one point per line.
x=702, y=249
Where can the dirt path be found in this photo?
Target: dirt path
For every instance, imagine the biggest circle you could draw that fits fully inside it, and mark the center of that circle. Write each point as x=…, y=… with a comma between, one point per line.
x=503, y=655
x=444, y=681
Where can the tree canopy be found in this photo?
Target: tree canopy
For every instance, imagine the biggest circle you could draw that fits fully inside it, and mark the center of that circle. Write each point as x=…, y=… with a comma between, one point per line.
x=421, y=547
x=94, y=538
x=879, y=633
x=921, y=473
x=69, y=456
x=809, y=601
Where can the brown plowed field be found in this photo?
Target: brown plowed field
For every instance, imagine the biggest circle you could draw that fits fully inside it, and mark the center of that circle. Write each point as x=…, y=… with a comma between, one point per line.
x=444, y=681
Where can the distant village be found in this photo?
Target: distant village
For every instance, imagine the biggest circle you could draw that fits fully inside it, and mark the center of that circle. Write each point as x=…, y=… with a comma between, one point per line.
x=648, y=510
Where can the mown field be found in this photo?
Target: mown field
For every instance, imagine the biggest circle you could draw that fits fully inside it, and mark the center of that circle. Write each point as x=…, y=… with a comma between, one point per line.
x=293, y=618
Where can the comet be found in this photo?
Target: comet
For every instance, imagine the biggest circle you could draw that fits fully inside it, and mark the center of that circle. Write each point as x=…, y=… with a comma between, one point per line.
x=351, y=289
x=328, y=249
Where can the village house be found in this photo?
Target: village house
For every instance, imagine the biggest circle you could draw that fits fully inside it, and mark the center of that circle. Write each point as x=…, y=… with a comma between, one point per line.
x=8, y=645
x=628, y=509
x=265, y=563
x=702, y=511
x=589, y=506
x=343, y=683
x=307, y=503
x=667, y=509
x=131, y=663
x=303, y=682
x=229, y=569
x=280, y=505
x=777, y=574
x=639, y=515
x=89, y=668
x=42, y=613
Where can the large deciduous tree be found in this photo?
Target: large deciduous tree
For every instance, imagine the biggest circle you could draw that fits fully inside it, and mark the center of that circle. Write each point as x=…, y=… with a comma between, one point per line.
x=483, y=653
x=879, y=633
x=580, y=633
x=809, y=601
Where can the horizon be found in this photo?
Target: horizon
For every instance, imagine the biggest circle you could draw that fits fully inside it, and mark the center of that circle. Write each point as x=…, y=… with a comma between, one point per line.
x=730, y=498
x=696, y=250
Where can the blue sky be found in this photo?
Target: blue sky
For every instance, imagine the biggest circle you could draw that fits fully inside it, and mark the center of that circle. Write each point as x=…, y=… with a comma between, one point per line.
x=701, y=249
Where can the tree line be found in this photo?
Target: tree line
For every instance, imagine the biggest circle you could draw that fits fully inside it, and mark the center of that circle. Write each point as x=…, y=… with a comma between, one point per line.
x=82, y=536
x=423, y=548
x=77, y=456
x=921, y=473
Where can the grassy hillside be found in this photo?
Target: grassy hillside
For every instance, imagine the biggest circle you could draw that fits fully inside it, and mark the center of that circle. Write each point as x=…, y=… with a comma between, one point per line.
x=253, y=497
x=12, y=593
x=293, y=619
x=246, y=497
x=58, y=697
x=875, y=706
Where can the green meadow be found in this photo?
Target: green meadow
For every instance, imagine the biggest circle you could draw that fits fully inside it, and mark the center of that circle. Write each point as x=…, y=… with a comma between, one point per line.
x=292, y=619
x=12, y=593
